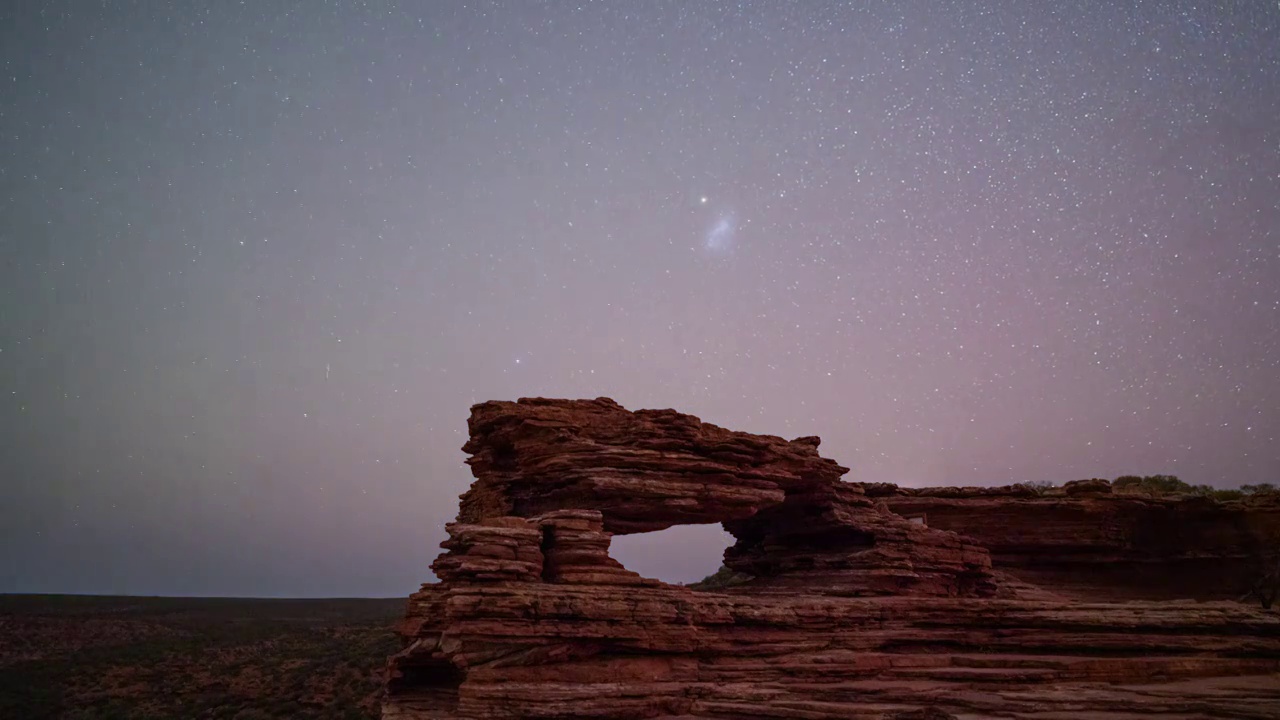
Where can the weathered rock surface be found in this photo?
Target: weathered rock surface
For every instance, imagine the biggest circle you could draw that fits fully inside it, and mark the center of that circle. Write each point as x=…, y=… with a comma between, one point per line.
x=797, y=524
x=832, y=540
x=644, y=470
x=1086, y=540
x=854, y=612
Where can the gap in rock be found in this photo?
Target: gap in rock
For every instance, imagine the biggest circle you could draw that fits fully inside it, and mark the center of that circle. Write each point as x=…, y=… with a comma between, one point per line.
x=430, y=686
x=681, y=554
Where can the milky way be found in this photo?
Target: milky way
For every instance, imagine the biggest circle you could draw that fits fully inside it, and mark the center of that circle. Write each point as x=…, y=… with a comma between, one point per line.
x=259, y=259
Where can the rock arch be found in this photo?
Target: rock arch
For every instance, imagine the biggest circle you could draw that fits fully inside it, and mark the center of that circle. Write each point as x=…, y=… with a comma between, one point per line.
x=533, y=618
x=620, y=472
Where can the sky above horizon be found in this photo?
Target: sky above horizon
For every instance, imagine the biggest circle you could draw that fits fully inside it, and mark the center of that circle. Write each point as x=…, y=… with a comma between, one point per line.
x=260, y=259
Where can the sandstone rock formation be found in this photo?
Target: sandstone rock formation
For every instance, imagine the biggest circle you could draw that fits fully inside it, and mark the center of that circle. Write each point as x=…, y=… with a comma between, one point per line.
x=854, y=611
x=1085, y=540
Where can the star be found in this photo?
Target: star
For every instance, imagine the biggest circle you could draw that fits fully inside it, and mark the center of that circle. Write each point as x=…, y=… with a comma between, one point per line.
x=915, y=249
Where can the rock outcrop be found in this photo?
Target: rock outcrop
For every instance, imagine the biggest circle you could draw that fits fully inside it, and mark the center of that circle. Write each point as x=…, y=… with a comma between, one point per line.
x=854, y=610
x=832, y=540
x=796, y=523
x=645, y=470
x=1085, y=540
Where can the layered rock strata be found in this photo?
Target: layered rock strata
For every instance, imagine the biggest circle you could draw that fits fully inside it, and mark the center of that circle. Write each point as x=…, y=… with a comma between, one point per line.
x=1084, y=539
x=797, y=524
x=645, y=470
x=832, y=540
x=854, y=611
x=549, y=651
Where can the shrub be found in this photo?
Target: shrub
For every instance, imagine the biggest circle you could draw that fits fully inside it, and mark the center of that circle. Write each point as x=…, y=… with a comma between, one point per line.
x=1165, y=484
x=1151, y=484
x=724, y=577
x=1158, y=485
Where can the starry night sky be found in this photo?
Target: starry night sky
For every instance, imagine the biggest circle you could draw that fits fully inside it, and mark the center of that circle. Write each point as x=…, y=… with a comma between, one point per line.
x=258, y=260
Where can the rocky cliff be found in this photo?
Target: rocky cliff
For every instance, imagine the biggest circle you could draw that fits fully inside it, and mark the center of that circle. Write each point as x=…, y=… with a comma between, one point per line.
x=1086, y=540
x=854, y=611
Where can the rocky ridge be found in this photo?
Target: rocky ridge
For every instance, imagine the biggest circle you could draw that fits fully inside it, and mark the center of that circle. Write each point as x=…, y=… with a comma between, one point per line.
x=855, y=611
x=1089, y=541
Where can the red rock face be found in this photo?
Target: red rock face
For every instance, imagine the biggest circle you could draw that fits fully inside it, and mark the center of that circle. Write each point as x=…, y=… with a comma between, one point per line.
x=832, y=540
x=1088, y=541
x=853, y=612
x=644, y=470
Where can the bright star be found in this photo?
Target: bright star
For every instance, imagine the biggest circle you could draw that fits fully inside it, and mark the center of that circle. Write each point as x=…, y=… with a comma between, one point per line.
x=703, y=200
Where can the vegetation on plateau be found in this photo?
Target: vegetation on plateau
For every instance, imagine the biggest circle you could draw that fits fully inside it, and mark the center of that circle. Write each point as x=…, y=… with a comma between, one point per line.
x=1171, y=485
x=1162, y=485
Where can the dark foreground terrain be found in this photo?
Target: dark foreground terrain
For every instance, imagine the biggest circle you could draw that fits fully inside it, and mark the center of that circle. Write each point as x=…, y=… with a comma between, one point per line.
x=65, y=656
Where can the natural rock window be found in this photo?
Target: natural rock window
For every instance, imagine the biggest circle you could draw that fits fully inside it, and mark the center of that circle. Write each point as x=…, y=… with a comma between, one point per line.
x=679, y=555
x=833, y=602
